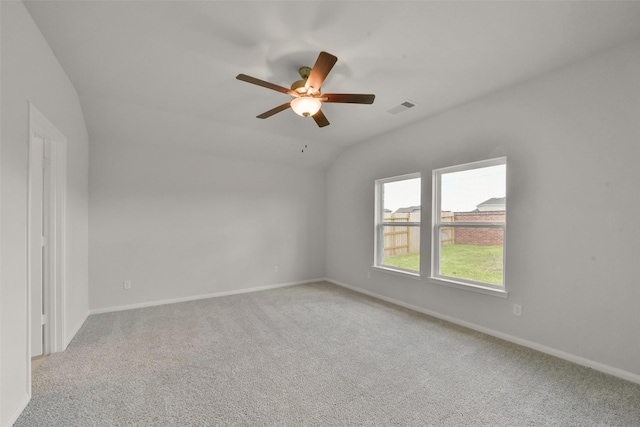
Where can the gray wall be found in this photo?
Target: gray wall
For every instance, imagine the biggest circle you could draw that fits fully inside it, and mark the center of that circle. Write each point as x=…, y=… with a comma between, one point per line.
x=181, y=222
x=30, y=72
x=572, y=139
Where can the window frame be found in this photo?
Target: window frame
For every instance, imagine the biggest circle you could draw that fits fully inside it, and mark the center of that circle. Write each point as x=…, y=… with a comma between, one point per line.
x=437, y=224
x=380, y=224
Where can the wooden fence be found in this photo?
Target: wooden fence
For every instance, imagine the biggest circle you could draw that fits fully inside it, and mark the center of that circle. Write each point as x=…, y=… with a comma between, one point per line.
x=447, y=234
x=401, y=240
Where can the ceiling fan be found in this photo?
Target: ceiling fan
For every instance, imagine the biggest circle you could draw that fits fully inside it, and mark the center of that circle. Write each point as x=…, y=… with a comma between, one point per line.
x=307, y=98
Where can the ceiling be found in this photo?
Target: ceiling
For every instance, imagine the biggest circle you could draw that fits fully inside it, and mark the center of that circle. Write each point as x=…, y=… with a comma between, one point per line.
x=158, y=73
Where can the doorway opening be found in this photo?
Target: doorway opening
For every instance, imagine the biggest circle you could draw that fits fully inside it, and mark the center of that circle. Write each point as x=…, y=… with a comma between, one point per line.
x=46, y=237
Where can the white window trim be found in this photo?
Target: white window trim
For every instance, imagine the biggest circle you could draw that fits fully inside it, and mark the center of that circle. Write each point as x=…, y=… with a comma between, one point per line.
x=481, y=287
x=398, y=271
x=379, y=224
x=435, y=277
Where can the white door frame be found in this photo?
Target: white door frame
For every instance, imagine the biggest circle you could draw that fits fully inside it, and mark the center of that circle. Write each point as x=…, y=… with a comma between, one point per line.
x=39, y=253
x=55, y=339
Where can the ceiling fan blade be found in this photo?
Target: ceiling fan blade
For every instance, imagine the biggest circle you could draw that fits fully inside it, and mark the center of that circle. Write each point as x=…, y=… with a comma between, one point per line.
x=348, y=98
x=323, y=65
x=321, y=119
x=263, y=83
x=273, y=111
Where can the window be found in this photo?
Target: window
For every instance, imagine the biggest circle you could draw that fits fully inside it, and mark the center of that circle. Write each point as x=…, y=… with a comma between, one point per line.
x=397, y=219
x=469, y=225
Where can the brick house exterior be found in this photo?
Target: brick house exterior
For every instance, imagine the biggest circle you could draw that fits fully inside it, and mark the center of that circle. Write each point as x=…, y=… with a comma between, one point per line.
x=478, y=236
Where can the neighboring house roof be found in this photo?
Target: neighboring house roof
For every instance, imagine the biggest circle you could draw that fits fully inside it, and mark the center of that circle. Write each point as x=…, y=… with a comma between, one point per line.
x=408, y=209
x=494, y=201
x=497, y=202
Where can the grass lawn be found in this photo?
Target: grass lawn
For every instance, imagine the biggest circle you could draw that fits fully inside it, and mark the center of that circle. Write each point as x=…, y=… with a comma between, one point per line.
x=479, y=263
x=409, y=261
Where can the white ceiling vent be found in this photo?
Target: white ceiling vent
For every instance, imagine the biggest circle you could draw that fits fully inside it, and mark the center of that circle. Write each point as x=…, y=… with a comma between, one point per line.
x=402, y=107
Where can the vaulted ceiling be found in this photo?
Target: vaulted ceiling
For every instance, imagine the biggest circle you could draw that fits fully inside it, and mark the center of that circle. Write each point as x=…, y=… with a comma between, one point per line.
x=164, y=72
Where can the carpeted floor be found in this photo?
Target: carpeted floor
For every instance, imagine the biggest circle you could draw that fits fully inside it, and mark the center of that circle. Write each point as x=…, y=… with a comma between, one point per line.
x=311, y=355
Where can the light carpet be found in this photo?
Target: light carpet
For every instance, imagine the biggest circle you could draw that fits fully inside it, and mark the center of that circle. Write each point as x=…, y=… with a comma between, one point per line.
x=311, y=355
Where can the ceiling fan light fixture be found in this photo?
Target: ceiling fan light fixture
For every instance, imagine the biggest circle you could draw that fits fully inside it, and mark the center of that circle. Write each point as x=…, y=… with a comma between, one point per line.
x=306, y=106
x=307, y=98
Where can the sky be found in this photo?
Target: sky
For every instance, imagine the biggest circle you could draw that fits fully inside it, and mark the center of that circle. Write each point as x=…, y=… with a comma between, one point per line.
x=461, y=191
x=402, y=194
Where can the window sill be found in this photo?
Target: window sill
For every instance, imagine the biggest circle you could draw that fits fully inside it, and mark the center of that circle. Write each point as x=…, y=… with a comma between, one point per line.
x=397, y=272
x=469, y=287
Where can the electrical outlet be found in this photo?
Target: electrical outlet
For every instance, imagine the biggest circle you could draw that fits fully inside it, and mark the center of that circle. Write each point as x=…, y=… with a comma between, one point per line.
x=275, y=269
x=368, y=274
x=517, y=309
x=126, y=285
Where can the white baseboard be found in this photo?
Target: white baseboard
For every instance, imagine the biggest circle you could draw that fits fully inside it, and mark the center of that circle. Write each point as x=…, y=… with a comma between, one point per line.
x=198, y=297
x=16, y=414
x=616, y=372
x=69, y=337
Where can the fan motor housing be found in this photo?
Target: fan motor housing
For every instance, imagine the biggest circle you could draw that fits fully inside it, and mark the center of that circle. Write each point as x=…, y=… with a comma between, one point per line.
x=297, y=85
